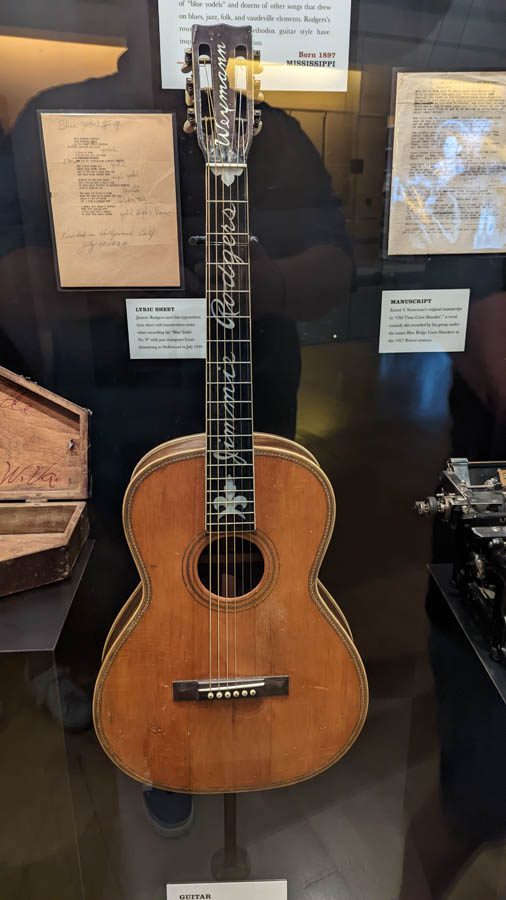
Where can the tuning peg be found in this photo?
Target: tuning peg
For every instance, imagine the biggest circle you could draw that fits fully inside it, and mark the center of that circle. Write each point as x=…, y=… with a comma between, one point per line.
x=190, y=124
x=257, y=122
x=190, y=91
x=259, y=97
x=257, y=66
x=188, y=61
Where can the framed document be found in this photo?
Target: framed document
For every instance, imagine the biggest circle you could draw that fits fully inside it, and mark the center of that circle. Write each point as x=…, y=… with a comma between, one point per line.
x=113, y=195
x=448, y=178
x=305, y=46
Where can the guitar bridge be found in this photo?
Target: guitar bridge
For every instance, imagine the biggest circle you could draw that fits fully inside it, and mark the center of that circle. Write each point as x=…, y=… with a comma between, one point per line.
x=233, y=689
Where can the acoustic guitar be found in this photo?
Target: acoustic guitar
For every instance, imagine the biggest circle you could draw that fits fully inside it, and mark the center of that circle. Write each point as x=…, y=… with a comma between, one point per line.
x=231, y=668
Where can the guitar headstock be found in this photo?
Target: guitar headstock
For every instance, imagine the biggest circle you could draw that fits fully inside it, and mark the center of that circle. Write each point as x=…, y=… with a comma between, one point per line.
x=221, y=95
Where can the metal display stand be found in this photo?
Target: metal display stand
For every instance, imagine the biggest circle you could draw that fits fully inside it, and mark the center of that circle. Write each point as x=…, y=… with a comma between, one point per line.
x=442, y=575
x=232, y=862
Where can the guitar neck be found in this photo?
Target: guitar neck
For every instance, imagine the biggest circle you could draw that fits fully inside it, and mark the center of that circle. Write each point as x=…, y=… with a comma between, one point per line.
x=230, y=486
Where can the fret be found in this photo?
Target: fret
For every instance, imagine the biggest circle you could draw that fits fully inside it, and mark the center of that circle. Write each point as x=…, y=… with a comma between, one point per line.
x=227, y=201
x=215, y=367
x=235, y=263
x=231, y=292
x=223, y=346
x=229, y=469
x=241, y=471
x=226, y=464
x=240, y=490
x=220, y=517
x=243, y=481
x=238, y=362
x=247, y=513
x=220, y=514
x=217, y=518
x=241, y=450
x=237, y=449
x=217, y=525
x=229, y=420
x=226, y=447
x=221, y=336
x=222, y=469
x=236, y=383
x=221, y=164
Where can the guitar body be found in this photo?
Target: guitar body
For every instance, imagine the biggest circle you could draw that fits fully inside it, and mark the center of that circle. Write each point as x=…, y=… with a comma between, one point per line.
x=281, y=627
x=195, y=442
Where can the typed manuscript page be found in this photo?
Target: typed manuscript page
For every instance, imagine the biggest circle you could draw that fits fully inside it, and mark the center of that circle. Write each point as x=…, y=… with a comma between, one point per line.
x=449, y=168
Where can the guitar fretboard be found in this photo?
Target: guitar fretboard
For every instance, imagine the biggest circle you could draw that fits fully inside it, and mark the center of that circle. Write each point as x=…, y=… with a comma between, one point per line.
x=230, y=487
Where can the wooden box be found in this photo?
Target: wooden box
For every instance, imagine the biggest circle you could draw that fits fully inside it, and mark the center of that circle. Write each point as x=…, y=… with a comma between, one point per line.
x=43, y=484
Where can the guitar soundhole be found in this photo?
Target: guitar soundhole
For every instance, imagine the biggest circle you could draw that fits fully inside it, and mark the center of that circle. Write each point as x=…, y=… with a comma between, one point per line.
x=230, y=567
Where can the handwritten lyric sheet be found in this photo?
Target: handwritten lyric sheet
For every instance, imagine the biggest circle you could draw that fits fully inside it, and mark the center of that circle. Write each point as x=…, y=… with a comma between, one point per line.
x=304, y=43
x=449, y=167
x=113, y=195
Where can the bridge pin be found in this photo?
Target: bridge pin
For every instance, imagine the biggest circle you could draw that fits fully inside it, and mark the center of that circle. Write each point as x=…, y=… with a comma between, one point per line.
x=210, y=695
x=236, y=694
x=219, y=695
x=244, y=693
x=228, y=695
x=253, y=692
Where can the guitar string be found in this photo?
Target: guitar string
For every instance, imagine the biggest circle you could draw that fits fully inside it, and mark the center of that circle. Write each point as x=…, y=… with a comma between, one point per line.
x=218, y=159
x=209, y=418
x=220, y=251
x=243, y=229
x=237, y=442
x=211, y=365
x=250, y=346
x=240, y=230
x=209, y=423
x=231, y=355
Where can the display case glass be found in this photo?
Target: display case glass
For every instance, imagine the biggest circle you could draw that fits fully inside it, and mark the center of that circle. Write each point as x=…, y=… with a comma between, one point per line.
x=292, y=268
